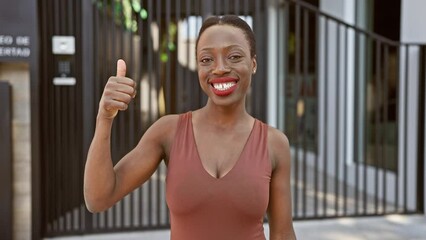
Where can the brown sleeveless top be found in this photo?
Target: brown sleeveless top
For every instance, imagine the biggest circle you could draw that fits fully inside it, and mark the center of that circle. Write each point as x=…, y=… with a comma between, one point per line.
x=203, y=207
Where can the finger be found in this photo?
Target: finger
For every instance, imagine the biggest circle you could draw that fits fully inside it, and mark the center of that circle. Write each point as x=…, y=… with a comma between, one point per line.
x=122, y=80
x=120, y=87
x=121, y=68
x=114, y=105
x=118, y=96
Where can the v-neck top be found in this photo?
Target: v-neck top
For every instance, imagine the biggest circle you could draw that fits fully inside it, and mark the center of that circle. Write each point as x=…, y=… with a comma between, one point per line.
x=204, y=207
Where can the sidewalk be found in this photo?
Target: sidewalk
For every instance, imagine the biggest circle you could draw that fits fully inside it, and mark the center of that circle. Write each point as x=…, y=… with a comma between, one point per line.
x=391, y=227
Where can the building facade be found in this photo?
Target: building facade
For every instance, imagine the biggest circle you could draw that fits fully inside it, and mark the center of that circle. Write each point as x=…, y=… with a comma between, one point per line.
x=344, y=81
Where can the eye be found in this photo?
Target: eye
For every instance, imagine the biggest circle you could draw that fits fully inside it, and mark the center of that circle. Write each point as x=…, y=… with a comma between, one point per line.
x=206, y=60
x=235, y=57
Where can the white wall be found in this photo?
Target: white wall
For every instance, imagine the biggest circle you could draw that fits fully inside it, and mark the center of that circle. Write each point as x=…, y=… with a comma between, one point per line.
x=345, y=10
x=413, y=19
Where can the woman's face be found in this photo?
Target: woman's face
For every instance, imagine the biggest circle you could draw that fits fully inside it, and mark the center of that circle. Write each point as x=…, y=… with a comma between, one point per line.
x=224, y=64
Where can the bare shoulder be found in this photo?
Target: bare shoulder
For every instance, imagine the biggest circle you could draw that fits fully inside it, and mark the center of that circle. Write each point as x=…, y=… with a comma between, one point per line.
x=164, y=128
x=167, y=122
x=279, y=147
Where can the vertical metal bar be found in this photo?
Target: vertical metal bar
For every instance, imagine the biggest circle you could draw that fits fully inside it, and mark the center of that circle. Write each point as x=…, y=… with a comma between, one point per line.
x=317, y=76
x=55, y=152
x=345, y=135
x=336, y=158
x=246, y=7
x=356, y=137
x=115, y=49
x=260, y=104
x=218, y=7
x=150, y=70
x=69, y=143
x=421, y=128
x=384, y=158
x=296, y=99
x=377, y=125
x=141, y=24
x=187, y=75
x=305, y=103
x=168, y=88
x=399, y=118
x=225, y=7
x=369, y=62
x=282, y=82
x=405, y=155
x=178, y=72
x=45, y=134
x=50, y=134
x=197, y=90
x=6, y=159
x=62, y=21
x=98, y=69
x=132, y=121
x=237, y=7
x=150, y=120
x=325, y=139
x=125, y=130
x=105, y=69
x=168, y=93
x=56, y=13
x=78, y=115
x=37, y=218
x=58, y=120
x=158, y=87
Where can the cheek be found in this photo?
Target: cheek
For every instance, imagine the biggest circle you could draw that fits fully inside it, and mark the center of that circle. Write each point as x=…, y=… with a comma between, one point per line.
x=202, y=74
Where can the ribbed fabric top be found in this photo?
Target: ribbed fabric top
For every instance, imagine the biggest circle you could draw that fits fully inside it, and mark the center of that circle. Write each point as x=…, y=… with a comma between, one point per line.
x=203, y=207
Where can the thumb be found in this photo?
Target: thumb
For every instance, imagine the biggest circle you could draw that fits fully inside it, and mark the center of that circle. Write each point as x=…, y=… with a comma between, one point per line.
x=121, y=68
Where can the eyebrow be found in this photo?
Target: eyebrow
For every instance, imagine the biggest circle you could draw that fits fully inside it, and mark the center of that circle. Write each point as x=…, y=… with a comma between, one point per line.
x=227, y=47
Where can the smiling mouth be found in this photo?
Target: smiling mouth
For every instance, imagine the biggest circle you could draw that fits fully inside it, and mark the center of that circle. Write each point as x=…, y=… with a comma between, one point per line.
x=223, y=86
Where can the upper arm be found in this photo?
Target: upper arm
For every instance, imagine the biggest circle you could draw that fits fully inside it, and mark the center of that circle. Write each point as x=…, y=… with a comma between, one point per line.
x=139, y=164
x=280, y=208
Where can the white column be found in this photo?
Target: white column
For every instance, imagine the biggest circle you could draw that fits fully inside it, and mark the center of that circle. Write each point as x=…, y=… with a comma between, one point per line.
x=272, y=78
x=276, y=43
x=345, y=11
x=413, y=19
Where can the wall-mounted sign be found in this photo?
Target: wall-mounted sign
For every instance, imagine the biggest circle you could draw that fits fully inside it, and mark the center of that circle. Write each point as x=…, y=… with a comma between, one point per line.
x=18, y=30
x=15, y=46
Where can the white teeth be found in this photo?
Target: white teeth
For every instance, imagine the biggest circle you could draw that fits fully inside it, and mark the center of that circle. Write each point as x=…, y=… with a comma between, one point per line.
x=223, y=86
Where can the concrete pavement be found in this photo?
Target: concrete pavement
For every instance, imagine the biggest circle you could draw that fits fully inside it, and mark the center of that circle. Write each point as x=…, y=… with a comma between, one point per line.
x=390, y=227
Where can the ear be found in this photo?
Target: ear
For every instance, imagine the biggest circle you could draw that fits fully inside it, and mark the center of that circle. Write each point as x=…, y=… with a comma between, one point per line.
x=254, y=63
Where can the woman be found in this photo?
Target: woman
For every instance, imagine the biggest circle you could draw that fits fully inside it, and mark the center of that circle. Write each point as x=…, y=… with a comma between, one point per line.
x=226, y=169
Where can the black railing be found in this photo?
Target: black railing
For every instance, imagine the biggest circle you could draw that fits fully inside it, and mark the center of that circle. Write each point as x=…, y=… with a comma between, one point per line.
x=342, y=99
x=158, y=47
x=345, y=89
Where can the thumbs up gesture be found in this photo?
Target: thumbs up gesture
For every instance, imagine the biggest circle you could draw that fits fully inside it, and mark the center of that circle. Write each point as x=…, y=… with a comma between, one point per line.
x=117, y=94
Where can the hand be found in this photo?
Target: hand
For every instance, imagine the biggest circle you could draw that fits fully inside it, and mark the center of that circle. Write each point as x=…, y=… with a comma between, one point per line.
x=117, y=94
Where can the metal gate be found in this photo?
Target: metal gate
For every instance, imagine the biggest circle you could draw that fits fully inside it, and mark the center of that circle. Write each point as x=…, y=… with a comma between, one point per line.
x=353, y=104
x=156, y=39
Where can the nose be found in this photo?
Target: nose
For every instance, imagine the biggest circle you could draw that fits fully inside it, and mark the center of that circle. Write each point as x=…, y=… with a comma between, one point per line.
x=221, y=67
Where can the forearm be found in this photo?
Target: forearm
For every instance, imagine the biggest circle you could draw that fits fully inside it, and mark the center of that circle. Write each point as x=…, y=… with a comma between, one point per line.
x=99, y=176
x=286, y=236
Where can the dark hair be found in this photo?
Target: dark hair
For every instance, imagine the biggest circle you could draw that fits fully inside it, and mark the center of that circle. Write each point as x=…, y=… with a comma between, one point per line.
x=234, y=21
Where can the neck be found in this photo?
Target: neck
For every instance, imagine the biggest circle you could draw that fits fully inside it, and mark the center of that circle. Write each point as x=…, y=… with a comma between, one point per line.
x=225, y=116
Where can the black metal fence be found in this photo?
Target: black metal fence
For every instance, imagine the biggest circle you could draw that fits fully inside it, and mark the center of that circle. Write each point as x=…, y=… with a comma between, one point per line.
x=347, y=107
x=339, y=93
x=156, y=39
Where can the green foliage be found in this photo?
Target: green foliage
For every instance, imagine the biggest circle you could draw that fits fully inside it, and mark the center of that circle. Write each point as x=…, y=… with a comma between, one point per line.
x=125, y=12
